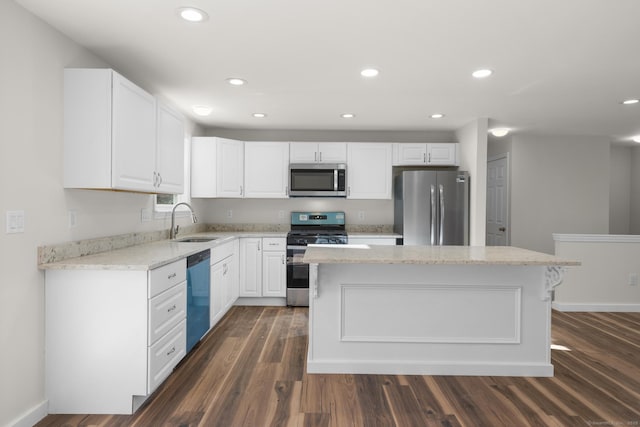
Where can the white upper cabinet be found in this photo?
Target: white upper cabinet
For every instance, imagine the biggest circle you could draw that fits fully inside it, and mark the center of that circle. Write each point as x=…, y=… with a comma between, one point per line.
x=323, y=152
x=217, y=167
x=266, y=169
x=431, y=154
x=170, y=150
x=112, y=135
x=369, y=170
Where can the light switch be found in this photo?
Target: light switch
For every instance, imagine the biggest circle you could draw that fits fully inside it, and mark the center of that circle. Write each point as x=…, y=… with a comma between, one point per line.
x=15, y=222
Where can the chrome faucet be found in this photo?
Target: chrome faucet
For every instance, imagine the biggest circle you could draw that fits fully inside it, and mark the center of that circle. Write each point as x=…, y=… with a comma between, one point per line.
x=174, y=228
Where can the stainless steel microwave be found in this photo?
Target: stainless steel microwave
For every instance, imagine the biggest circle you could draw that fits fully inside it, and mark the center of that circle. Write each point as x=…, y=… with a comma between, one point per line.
x=318, y=180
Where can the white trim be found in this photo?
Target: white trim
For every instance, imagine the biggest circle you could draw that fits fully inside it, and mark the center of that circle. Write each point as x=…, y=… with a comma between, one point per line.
x=32, y=416
x=402, y=367
x=572, y=307
x=597, y=238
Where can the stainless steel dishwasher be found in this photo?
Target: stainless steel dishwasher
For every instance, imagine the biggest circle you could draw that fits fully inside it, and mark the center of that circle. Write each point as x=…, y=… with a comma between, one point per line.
x=198, y=296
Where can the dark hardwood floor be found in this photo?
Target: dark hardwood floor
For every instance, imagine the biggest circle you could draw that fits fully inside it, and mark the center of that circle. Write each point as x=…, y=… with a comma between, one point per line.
x=250, y=371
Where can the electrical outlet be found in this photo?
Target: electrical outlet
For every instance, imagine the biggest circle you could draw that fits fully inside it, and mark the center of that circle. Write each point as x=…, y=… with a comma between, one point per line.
x=361, y=215
x=73, y=218
x=280, y=214
x=230, y=213
x=145, y=215
x=633, y=279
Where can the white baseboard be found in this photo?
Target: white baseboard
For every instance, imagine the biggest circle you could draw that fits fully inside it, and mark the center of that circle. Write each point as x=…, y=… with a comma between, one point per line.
x=32, y=416
x=621, y=308
x=422, y=368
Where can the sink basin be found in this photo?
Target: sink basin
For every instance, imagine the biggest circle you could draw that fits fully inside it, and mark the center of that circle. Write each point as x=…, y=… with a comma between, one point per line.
x=195, y=239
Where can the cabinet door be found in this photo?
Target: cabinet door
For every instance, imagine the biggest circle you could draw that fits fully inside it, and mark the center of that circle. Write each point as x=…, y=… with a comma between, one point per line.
x=251, y=267
x=170, y=151
x=230, y=281
x=230, y=167
x=216, y=304
x=233, y=275
x=412, y=154
x=204, y=156
x=303, y=152
x=274, y=274
x=134, y=137
x=442, y=154
x=266, y=169
x=369, y=171
x=332, y=152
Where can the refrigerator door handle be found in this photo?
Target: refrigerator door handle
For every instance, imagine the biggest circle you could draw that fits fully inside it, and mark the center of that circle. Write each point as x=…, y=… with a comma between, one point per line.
x=433, y=215
x=441, y=234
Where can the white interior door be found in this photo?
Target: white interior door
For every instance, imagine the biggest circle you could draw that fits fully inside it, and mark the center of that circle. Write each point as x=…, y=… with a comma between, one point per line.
x=498, y=201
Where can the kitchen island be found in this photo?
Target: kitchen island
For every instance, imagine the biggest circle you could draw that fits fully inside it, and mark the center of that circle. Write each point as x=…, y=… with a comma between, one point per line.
x=431, y=310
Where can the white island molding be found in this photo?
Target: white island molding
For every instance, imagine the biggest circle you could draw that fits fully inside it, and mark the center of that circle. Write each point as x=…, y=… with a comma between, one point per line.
x=428, y=310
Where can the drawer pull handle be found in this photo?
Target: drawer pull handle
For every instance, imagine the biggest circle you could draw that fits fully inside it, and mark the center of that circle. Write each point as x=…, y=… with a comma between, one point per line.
x=170, y=309
x=171, y=276
x=173, y=350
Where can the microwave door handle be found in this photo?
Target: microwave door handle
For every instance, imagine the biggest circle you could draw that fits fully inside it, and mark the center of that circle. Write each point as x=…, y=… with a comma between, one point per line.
x=335, y=180
x=433, y=215
x=441, y=237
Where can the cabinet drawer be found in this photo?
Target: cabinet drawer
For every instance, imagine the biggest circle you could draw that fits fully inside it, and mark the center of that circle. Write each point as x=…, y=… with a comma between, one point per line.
x=165, y=354
x=274, y=244
x=166, y=311
x=162, y=278
x=221, y=252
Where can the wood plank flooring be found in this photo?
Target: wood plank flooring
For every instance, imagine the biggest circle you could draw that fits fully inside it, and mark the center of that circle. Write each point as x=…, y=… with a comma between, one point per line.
x=250, y=371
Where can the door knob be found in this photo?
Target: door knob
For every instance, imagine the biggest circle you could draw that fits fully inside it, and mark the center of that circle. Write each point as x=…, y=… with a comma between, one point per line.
x=502, y=229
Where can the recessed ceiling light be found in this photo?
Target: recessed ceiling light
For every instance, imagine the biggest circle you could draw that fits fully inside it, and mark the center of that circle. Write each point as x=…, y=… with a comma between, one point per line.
x=192, y=14
x=369, y=72
x=348, y=116
x=636, y=139
x=202, y=110
x=630, y=101
x=499, y=132
x=437, y=116
x=481, y=74
x=236, y=81
x=259, y=115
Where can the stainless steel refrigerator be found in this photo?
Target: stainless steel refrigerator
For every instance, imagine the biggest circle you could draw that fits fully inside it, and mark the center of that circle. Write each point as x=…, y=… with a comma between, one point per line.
x=432, y=207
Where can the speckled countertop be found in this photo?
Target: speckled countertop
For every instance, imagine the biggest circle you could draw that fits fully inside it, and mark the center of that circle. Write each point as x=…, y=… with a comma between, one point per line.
x=444, y=255
x=151, y=255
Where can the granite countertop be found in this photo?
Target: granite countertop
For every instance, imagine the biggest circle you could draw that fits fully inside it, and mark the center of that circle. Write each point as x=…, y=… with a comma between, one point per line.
x=443, y=255
x=152, y=255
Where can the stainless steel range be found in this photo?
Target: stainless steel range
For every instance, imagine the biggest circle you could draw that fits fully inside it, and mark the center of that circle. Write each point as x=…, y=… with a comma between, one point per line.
x=309, y=228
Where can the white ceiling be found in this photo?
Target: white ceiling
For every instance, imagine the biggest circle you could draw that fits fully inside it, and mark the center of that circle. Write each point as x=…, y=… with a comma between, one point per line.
x=560, y=66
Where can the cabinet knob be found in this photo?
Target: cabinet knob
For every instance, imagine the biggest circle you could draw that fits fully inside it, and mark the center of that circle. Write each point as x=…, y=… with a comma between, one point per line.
x=502, y=229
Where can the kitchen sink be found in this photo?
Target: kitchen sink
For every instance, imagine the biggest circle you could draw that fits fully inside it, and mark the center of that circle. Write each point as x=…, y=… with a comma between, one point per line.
x=195, y=239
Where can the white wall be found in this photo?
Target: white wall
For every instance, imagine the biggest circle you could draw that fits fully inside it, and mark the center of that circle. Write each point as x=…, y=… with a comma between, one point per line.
x=473, y=158
x=559, y=184
x=634, y=222
x=620, y=190
x=601, y=283
x=33, y=58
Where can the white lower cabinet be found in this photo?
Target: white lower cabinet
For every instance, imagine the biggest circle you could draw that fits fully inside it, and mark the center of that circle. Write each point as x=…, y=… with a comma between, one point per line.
x=263, y=267
x=112, y=336
x=224, y=280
